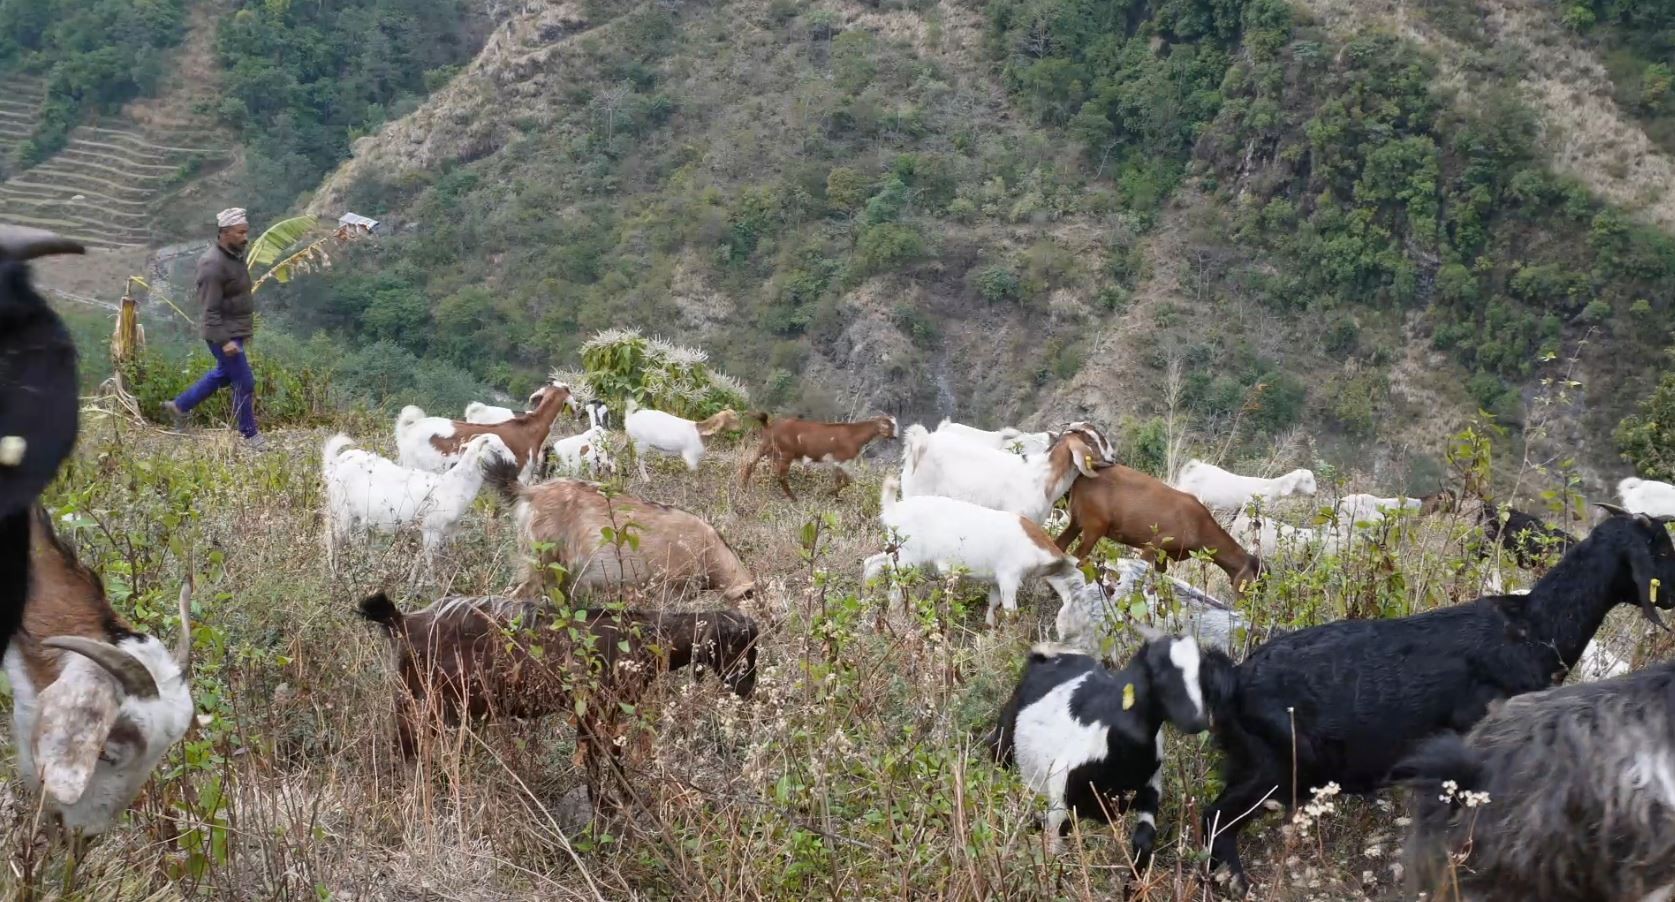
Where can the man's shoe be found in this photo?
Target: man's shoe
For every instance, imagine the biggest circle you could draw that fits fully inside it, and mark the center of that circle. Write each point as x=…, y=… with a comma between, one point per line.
x=256, y=443
x=176, y=414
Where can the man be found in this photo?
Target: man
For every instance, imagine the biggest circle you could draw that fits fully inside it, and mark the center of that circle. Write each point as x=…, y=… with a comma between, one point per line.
x=224, y=285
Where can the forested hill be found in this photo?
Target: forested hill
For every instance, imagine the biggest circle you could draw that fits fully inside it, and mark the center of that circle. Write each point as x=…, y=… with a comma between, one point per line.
x=1345, y=229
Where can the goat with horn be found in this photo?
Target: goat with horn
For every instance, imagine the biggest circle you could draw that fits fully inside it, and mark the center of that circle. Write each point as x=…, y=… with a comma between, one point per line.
x=90, y=725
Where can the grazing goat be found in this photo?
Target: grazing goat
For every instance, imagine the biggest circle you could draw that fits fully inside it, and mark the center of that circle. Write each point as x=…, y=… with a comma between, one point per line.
x=1086, y=737
x=1222, y=490
x=487, y=414
x=789, y=440
x=1556, y=795
x=367, y=492
x=1001, y=548
x=1007, y=439
x=1091, y=621
x=90, y=726
x=1134, y=509
x=587, y=449
x=38, y=406
x=1271, y=537
x=654, y=430
x=666, y=548
x=937, y=463
x=1647, y=496
x=469, y=658
x=1346, y=701
x=1362, y=510
x=1532, y=542
x=433, y=444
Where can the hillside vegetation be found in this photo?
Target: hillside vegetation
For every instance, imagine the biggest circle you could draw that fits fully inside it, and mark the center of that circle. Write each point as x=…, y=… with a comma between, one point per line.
x=1024, y=210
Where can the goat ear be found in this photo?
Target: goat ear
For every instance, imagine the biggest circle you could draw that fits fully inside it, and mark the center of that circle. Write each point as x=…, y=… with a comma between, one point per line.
x=1079, y=457
x=1648, y=589
x=77, y=712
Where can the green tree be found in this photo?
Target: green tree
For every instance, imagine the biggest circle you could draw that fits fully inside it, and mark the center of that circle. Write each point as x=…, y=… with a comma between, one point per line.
x=1646, y=438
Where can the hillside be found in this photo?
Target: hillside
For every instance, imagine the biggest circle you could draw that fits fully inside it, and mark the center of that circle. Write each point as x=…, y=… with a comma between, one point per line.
x=1365, y=228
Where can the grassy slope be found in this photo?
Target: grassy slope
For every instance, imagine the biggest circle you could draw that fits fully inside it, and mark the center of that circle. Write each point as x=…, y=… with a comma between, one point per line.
x=851, y=773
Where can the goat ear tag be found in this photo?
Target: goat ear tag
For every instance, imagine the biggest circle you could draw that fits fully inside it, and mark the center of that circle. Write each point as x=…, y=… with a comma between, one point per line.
x=1652, y=590
x=1127, y=696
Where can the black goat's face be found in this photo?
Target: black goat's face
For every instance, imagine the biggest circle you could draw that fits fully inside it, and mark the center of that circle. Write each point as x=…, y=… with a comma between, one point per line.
x=729, y=648
x=1651, y=561
x=1172, y=666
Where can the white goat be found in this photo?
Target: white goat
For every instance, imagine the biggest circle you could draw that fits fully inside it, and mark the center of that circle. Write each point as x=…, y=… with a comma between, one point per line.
x=487, y=414
x=1647, y=496
x=571, y=454
x=433, y=444
x=90, y=726
x=1006, y=439
x=654, y=430
x=1222, y=490
x=1089, y=620
x=1003, y=549
x=1370, y=510
x=939, y=463
x=1267, y=536
x=367, y=492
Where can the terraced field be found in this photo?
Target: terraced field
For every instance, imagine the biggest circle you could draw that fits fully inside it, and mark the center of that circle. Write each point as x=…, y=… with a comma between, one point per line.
x=104, y=186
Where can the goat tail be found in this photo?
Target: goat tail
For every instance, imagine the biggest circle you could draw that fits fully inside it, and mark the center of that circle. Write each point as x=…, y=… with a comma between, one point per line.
x=333, y=447
x=888, y=494
x=404, y=421
x=501, y=475
x=379, y=609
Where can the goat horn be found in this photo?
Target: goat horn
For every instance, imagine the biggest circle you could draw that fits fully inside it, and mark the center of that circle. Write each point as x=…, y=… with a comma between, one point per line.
x=129, y=673
x=183, y=645
x=1613, y=509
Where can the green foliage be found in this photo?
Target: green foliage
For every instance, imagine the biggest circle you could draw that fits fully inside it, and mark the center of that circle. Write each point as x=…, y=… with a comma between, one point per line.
x=95, y=54
x=287, y=393
x=887, y=247
x=998, y=283
x=302, y=80
x=1646, y=438
x=622, y=364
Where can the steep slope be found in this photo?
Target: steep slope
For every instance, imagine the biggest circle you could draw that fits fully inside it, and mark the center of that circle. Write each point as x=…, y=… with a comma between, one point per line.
x=1026, y=211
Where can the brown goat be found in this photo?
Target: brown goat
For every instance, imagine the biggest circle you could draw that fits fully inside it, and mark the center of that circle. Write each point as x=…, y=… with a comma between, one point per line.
x=790, y=440
x=1134, y=509
x=666, y=548
x=470, y=658
x=434, y=443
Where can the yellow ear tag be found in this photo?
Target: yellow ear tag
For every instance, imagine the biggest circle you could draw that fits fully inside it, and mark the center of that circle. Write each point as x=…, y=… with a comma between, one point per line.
x=1654, y=589
x=1127, y=696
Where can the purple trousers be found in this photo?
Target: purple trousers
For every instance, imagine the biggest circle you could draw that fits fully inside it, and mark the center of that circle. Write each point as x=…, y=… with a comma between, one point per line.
x=230, y=369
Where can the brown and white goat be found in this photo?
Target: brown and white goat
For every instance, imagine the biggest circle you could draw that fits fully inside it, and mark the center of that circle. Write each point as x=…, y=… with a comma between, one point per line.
x=434, y=444
x=90, y=726
x=1166, y=524
x=666, y=548
x=790, y=440
x=469, y=658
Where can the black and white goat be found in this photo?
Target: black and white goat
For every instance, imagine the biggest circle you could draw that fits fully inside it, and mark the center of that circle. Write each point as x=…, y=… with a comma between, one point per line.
x=91, y=725
x=1086, y=737
x=1344, y=702
x=1580, y=790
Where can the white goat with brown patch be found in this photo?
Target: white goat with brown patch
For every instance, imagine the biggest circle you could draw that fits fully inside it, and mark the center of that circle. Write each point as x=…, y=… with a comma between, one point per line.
x=936, y=463
x=665, y=433
x=665, y=549
x=90, y=726
x=789, y=440
x=433, y=444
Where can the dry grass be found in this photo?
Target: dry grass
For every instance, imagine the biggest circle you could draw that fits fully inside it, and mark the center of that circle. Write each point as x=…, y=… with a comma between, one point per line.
x=851, y=773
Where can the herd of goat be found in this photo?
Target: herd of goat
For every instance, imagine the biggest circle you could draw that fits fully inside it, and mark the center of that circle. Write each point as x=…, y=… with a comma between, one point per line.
x=1458, y=703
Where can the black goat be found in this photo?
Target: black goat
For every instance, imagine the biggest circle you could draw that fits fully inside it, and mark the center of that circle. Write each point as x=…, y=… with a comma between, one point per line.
x=1531, y=541
x=1344, y=702
x=1580, y=787
x=1087, y=737
x=38, y=404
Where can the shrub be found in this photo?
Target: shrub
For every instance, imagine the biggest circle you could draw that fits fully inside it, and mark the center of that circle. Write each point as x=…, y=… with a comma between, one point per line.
x=998, y=283
x=622, y=364
x=887, y=246
x=1646, y=438
x=287, y=393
